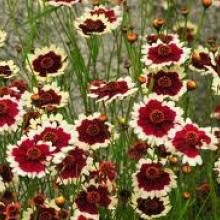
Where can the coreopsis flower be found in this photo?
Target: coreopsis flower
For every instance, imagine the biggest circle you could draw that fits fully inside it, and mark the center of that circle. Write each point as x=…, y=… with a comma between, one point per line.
x=50, y=95
x=109, y=91
x=20, y=85
x=10, y=91
x=94, y=197
x=48, y=210
x=71, y=165
x=47, y=62
x=88, y=25
x=28, y=158
x=167, y=82
x=83, y=216
x=57, y=3
x=138, y=150
x=153, y=119
x=151, y=208
x=58, y=133
x=92, y=133
x=113, y=15
x=11, y=114
x=152, y=179
x=187, y=32
x=3, y=36
x=202, y=60
x=103, y=173
x=165, y=38
x=8, y=69
x=187, y=141
x=162, y=54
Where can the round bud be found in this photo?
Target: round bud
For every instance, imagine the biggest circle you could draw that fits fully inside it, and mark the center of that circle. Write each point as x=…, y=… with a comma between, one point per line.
x=206, y=3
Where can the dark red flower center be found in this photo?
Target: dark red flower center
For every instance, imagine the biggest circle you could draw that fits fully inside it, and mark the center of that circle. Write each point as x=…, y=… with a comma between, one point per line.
x=33, y=153
x=5, y=70
x=164, y=50
x=156, y=116
x=45, y=215
x=191, y=138
x=152, y=204
x=3, y=108
x=69, y=160
x=93, y=130
x=90, y=26
x=112, y=86
x=93, y=197
x=164, y=82
x=152, y=172
x=50, y=136
x=47, y=62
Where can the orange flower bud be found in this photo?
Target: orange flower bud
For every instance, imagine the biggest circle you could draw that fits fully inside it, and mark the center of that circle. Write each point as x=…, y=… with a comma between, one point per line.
x=173, y=160
x=191, y=85
x=60, y=201
x=187, y=195
x=141, y=79
x=132, y=37
x=206, y=3
x=186, y=169
x=158, y=23
x=103, y=118
x=184, y=11
x=35, y=97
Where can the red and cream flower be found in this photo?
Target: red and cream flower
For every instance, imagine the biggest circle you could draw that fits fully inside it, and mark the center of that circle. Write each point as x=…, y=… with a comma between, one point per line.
x=103, y=173
x=109, y=91
x=92, y=132
x=165, y=38
x=11, y=114
x=151, y=208
x=162, y=54
x=58, y=133
x=167, y=82
x=83, y=216
x=3, y=36
x=57, y=3
x=47, y=62
x=113, y=15
x=202, y=60
x=10, y=91
x=45, y=210
x=30, y=158
x=71, y=164
x=153, y=119
x=152, y=179
x=20, y=85
x=50, y=95
x=188, y=140
x=88, y=25
x=8, y=69
x=94, y=197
